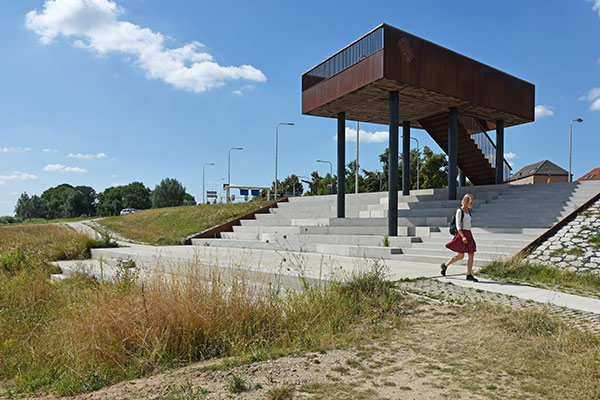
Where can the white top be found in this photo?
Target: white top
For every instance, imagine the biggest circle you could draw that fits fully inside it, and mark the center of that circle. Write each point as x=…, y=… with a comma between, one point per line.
x=466, y=220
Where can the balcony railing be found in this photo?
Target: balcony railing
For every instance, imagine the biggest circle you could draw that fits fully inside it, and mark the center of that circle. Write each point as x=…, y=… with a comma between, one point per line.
x=345, y=58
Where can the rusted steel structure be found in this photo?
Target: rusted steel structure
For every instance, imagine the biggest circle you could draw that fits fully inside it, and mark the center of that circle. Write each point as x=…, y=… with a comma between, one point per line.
x=391, y=77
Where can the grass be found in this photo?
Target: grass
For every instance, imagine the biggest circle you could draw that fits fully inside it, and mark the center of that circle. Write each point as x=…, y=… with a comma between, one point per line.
x=79, y=335
x=168, y=226
x=513, y=354
x=595, y=241
x=542, y=275
x=284, y=392
x=575, y=251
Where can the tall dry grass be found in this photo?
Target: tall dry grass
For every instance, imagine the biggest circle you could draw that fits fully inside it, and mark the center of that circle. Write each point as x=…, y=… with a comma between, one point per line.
x=95, y=334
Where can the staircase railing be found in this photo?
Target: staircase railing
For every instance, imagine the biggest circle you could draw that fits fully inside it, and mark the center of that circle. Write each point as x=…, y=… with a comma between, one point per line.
x=488, y=148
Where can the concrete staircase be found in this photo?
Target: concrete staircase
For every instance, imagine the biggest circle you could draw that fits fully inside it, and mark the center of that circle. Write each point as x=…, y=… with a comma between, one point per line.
x=505, y=218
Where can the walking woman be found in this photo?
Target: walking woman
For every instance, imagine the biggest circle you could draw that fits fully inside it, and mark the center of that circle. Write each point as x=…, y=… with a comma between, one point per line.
x=463, y=242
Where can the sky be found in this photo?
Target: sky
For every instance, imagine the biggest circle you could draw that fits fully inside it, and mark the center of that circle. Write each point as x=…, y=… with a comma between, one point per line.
x=107, y=92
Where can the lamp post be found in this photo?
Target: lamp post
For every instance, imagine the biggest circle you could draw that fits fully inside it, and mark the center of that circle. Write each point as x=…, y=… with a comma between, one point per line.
x=276, y=150
x=330, y=166
x=229, y=167
x=416, y=140
x=203, y=175
x=571, y=145
x=356, y=163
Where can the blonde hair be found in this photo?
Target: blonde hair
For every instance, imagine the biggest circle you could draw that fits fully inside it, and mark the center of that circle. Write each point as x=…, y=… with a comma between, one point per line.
x=467, y=198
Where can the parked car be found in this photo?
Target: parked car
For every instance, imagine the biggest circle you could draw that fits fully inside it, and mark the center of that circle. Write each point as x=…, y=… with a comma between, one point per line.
x=126, y=211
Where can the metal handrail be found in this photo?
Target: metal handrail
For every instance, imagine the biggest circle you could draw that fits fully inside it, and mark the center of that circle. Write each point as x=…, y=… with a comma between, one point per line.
x=345, y=58
x=488, y=148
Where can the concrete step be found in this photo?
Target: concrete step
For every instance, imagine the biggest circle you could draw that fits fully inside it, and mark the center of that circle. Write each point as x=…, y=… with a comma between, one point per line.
x=443, y=252
x=483, y=248
x=357, y=240
x=402, y=221
x=437, y=260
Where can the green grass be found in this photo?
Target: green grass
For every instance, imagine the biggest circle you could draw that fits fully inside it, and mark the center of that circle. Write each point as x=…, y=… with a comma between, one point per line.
x=542, y=275
x=595, y=241
x=168, y=226
x=575, y=251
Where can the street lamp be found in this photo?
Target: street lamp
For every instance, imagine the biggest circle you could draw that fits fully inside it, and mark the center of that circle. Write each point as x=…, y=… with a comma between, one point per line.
x=416, y=140
x=330, y=166
x=571, y=145
x=229, y=167
x=203, y=174
x=276, y=150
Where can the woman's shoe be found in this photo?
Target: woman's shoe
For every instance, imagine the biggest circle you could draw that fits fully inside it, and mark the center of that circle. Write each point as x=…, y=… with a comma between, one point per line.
x=472, y=278
x=444, y=268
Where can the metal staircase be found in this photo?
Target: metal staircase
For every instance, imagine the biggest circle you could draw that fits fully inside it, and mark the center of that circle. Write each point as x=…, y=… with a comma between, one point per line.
x=476, y=151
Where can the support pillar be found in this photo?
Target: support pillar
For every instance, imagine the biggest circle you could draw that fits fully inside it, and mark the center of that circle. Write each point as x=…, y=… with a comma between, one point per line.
x=405, y=158
x=499, y=151
x=341, y=164
x=393, y=166
x=452, y=151
x=462, y=179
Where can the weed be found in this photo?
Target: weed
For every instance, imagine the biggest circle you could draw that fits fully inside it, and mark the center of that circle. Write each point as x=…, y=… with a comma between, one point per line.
x=237, y=384
x=542, y=275
x=284, y=392
x=386, y=241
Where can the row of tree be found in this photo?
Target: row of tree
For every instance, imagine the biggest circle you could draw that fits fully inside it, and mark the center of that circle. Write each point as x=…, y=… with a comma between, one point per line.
x=432, y=173
x=66, y=201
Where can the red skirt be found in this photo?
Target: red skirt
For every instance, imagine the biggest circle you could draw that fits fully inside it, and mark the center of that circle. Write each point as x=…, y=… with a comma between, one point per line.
x=459, y=246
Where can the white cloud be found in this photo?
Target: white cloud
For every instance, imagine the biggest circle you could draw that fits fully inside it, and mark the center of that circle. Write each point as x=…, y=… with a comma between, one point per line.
x=366, y=137
x=53, y=167
x=543, y=112
x=94, y=25
x=17, y=176
x=510, y=156
x=50, y=151
x=238, y=92
x=593, y=96
x=86, y=156
x=114, y=176
x=62, y=168
x=14, y=149
x=596, y=6
x=74, y=169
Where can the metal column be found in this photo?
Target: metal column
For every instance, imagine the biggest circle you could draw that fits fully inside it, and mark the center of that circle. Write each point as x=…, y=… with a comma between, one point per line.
x=452, y=151
x=405, y=158
x=499, y=151
x=393, y=167
x=341, y=164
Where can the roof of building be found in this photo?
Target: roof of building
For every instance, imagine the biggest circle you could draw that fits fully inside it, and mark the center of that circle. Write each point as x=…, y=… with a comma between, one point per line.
x=593, y=175
x=538, y=168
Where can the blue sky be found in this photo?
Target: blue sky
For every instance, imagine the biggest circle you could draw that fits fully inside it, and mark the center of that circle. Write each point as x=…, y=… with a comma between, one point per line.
x=100, y=93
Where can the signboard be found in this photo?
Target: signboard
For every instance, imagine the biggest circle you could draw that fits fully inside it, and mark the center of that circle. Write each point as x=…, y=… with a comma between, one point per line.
x=211, y=194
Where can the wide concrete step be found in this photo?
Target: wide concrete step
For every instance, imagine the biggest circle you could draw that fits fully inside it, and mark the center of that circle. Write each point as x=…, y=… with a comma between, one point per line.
x=402, y=221
x=483, y=248
x=481, y=240
x=333, y=249
x=478, y=261
x=356, y=240
x=443, y=252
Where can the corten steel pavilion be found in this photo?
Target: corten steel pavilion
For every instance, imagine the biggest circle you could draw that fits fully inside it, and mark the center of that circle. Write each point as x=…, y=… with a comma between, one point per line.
x=391, y=77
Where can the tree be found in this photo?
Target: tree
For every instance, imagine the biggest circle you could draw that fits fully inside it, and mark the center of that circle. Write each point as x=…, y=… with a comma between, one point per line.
x=189, y=200
x=30, y=207
x=37, y=207
x=168, y=193
x=88, y=200
x=55, y=200
x=434, y=170
x=21, y=208
x=136, y=195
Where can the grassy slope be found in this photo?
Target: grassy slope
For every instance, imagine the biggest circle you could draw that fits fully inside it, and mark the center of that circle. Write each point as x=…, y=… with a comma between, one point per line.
x=167, y=226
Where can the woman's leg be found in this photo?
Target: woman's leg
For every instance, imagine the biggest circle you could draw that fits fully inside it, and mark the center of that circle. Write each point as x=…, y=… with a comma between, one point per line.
x=454, y=259
x=470, y=263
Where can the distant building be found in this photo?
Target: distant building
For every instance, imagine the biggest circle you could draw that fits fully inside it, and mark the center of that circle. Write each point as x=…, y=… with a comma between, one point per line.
x=593, y=175
x=539, y=172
